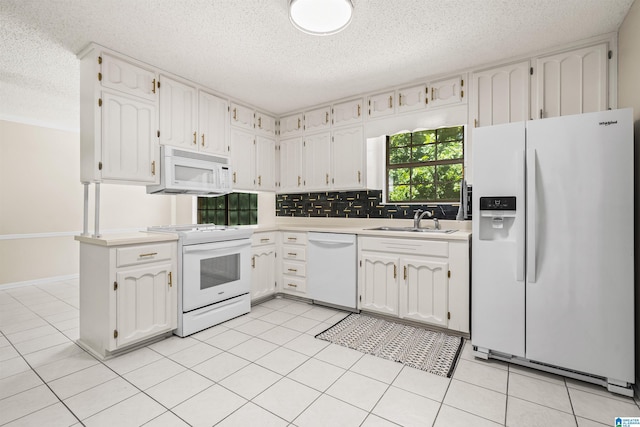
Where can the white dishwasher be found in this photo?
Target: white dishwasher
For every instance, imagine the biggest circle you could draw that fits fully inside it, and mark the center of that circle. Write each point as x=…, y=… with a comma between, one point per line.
x=331, y=268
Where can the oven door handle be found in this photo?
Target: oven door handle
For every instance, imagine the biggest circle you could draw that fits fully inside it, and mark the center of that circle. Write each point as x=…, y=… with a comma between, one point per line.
x=216, y=246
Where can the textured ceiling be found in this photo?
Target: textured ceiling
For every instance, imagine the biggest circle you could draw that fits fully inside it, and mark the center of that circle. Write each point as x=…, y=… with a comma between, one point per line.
x=248, y=50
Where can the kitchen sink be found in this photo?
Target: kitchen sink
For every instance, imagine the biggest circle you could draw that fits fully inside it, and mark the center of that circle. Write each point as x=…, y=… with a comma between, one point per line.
x=413, y=229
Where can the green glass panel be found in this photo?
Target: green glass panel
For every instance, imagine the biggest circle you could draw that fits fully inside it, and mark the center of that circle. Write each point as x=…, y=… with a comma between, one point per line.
x=244, y=201
x=221, y=218
x=424, y=153
x=233, y=200
x=399, y=176
x=399, y=155
x=449, y=150
x=202, y=202
x=244, y=218
x=233, y=218
x=400, y=140
x=450, y=134
x=220, y=202
x=254, y=201
x=423, y=175
x=254, y=217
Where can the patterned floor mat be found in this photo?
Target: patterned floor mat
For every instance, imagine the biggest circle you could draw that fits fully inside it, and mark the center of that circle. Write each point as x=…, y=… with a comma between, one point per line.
x=430, y=351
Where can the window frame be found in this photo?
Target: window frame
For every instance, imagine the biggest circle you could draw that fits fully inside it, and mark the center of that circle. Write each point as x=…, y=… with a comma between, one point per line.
x=227, y=209
x=413, y=164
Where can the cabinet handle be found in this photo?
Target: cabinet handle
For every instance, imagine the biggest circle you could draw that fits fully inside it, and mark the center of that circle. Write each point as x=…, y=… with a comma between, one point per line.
x=395, y=271
x=234, y=177
x=298, y=123
x=298, y=180
x=327, y=179
x=292, y=285
x=358, y=110
x=259, y=122
x=405, y=272
x=292, y=239
x=259, y=179
x=432, y=93
x=253, y=262
x=170, y=279
x=195, y=136
x=326, y=117
x=399, y=100
x=203, y=139
x=235, y=114
x=148, y=254
x=153, y=168
x=153, y=86
x=293, y=270
x=292, y=254
x=541, y=113
x=475, y=123
x=390, y=101
x=359, y=176
x=264, y=240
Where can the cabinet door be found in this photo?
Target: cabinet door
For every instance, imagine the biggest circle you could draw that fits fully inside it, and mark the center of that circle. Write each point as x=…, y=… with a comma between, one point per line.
x=291, y=165
x=500, y=95
x=572, y=82
x=348, y=159
x=412, y=98
x=291, y=125
x=213, y=124
x=347, y=113
x=126, y=77
x=263, y=272
x=243, y=159
x=379, y=283
x=317, y=119
x=381, y=105
x=266, y=124
x=265, y=163
x=317, y=161
x=129, y=140
x=446, y=92
x=178, y=114
x=242, y=116
x=423, y=290
x=146, y=302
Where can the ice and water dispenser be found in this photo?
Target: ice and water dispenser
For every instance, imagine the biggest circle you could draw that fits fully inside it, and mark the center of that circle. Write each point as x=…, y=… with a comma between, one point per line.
x=497, y=218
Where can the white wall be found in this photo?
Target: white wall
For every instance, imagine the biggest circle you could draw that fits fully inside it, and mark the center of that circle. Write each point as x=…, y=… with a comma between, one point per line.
x=629, y=96
x=41, y=202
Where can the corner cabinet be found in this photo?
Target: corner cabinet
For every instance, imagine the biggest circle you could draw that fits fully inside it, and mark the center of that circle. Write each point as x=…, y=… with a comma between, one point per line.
x=416, y=279
x=263, y=265
x=118, y=119
x=128, y=294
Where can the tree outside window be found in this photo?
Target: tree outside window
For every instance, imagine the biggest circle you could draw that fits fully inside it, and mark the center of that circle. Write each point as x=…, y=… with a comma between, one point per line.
x=425, y=166
x=230, y=209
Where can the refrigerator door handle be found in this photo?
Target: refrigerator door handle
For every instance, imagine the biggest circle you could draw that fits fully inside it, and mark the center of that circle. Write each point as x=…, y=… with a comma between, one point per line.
x=520, y=236
x=532, y=207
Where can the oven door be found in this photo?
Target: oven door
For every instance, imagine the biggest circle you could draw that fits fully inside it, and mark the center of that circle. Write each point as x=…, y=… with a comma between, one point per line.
x=213, y=272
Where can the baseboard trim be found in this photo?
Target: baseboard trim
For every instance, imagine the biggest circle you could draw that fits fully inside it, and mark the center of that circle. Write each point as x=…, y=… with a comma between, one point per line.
x=52, y=279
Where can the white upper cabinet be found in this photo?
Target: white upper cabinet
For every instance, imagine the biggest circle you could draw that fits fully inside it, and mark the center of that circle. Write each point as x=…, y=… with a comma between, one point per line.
x=265, y=124
x=243, y=159
x=348, y=156
x=572, y=82
x=317, y=161
x=381, y=105
x=500, y=95
x=127, y=77
x=317, y=119
x=129, y=141
x=446, y=92
x=242, y=116
x=412, y=98
x=347, y=113
x=178, y=113
x=291, y=165
x=213, y=121
x=265, y=163
x=291, y=125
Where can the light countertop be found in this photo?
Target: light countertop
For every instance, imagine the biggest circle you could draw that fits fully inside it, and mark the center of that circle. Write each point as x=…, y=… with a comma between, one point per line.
x=133, y=238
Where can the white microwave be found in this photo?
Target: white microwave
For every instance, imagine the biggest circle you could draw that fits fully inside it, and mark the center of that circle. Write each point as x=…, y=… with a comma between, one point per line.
x=192, y=172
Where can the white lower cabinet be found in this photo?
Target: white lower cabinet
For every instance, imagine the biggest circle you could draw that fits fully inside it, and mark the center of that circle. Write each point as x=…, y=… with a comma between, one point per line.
x=263, y=265
x=128, y=294
x=415, y=279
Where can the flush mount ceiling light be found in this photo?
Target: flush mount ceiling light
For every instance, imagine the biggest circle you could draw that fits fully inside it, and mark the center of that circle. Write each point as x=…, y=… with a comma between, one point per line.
x=320, y=17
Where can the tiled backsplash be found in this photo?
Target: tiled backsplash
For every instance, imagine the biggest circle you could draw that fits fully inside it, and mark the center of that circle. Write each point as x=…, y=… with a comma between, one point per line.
x=352, y=204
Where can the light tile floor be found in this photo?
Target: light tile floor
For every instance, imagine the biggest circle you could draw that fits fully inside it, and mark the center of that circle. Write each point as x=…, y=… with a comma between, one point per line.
x=262, y=369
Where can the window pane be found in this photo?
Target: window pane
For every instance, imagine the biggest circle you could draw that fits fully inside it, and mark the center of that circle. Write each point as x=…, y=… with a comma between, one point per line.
x=424, y=192
x=424, y=153
x=399, y=155
x=221, y=218
x=423, y=175
x=202, y=203
x=254, y=201
x=233, y=218
x=449, y=177
x=243, y=201
x=424, y=137
x=400, y=140
x=220, y=202
x=450, y=134
x=450, y=150
x=233, y=200
x=399, y=193
x=254, y=217
x=244, y=218
x=399, y=176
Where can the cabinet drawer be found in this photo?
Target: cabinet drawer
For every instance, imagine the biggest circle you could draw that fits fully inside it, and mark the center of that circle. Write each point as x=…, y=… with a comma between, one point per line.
x=266, y=238
x=405, y=246
x=295, y=284
x=144, y=254
x=292, y=268
x=293, y=238
x=294, y=252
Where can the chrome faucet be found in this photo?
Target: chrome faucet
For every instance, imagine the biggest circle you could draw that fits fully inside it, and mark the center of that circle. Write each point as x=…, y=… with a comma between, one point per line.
x=436, y=224
x=419, y=214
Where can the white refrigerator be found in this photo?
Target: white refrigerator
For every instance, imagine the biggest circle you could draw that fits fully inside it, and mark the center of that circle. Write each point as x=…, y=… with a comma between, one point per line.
x=553, y=249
